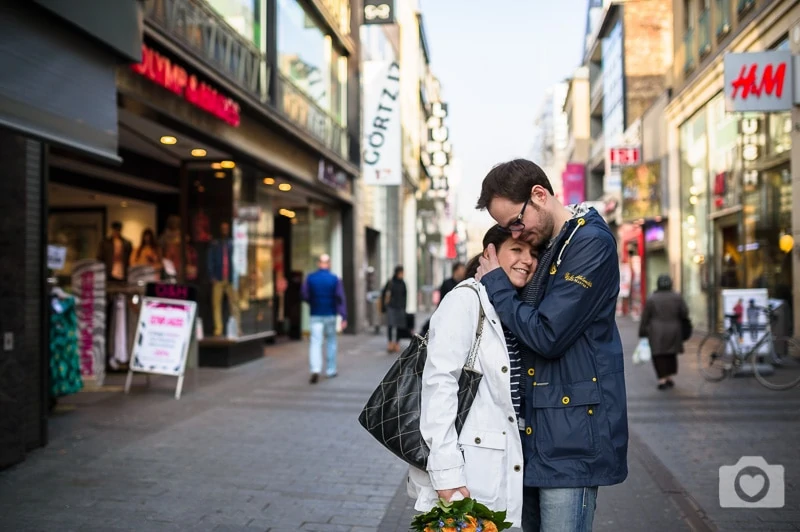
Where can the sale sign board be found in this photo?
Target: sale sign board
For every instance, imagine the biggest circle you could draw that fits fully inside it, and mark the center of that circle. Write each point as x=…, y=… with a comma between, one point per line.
x=162, y=339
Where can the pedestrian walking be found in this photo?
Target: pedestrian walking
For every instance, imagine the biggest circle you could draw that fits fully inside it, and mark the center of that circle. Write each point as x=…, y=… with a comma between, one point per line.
x=480, y=462
x=662, y=324
x=324, y=292
x=738, y=317
x=576, y=429
x=395, y=299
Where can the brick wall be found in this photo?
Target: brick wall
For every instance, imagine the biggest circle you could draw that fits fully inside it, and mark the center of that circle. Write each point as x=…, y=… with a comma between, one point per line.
x=21, y=391
x=648, y=53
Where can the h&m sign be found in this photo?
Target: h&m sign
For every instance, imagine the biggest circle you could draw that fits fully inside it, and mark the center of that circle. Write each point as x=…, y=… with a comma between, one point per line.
x=759, y=81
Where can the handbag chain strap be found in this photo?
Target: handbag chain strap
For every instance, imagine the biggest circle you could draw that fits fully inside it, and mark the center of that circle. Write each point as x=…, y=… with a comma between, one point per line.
x=473, y=352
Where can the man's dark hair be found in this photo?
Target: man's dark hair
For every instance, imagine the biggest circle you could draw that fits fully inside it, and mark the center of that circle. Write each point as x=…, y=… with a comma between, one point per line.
x=512, y=180
x=116, y=226
x=456, y=266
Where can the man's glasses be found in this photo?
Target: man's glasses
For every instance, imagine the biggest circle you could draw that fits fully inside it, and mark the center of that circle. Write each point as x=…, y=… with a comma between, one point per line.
x=518, y=225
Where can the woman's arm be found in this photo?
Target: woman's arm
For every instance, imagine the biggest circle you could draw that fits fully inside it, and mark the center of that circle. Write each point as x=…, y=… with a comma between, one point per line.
x=450, y=338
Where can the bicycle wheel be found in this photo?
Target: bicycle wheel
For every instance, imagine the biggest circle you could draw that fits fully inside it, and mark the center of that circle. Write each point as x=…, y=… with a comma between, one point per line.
x=785, y=363
x=714, y=357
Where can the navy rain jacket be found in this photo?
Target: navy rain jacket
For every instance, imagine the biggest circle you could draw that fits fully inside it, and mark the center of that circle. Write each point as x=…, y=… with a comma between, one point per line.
x=575, y=401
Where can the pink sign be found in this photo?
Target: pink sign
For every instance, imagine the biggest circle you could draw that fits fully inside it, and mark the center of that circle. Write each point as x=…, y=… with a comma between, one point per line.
x=573, y=182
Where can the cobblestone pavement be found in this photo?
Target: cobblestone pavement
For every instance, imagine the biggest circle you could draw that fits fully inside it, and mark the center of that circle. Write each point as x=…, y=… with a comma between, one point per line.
x=257, y=448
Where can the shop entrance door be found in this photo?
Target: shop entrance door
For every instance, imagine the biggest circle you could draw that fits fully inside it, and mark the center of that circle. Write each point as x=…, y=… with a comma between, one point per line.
x=728, y=267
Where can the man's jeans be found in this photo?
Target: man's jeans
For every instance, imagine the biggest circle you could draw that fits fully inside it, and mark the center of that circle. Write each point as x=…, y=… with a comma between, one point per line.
x=558, y=509
x=322, y=326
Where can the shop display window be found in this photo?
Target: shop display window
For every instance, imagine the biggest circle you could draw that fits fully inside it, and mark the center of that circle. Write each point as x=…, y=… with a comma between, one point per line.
x=694, y=216
x=230, y=232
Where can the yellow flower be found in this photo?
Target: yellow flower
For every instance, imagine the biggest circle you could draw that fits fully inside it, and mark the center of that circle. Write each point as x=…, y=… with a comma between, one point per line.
x=488, y=526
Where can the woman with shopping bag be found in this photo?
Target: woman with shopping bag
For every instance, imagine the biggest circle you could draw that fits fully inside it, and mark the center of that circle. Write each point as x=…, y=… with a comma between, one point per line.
x=665, y=325
x=479, y=460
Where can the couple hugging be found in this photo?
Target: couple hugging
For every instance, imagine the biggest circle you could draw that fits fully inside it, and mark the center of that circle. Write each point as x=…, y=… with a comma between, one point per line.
x=548, y=424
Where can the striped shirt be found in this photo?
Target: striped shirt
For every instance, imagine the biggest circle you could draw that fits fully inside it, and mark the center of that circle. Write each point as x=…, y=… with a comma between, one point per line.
x=515, y=360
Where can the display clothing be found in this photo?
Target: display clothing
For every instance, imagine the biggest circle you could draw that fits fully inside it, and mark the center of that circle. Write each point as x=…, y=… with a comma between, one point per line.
x=220, y=289
x=220, y=270
x=147, y=256
x=65, y=362
x=115, y=253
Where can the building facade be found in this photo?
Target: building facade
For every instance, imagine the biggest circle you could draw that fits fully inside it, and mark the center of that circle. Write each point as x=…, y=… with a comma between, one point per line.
x=732, y=172
x=232, y=146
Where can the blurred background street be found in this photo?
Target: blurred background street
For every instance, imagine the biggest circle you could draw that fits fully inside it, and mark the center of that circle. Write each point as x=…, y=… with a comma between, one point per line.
x=256, y=448
x=178, y=173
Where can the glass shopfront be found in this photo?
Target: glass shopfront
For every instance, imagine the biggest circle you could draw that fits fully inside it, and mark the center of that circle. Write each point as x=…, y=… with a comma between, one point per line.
x=308, y=58
x=736, y=205
x=242, y=15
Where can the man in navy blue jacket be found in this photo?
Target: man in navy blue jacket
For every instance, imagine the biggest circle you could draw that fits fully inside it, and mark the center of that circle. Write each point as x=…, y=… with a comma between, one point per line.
x=324, y=292
x=575, y=436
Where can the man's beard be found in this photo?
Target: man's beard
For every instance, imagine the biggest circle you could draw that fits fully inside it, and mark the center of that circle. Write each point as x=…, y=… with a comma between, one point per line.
x=542, y=234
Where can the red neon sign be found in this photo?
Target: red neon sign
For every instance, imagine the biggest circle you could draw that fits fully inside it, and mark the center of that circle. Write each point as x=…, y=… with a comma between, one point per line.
x=624, y=156
x=773, y=79
x=162, y=71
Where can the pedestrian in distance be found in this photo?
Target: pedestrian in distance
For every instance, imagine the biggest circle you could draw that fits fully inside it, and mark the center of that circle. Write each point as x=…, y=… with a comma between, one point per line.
x=481, y=462
x=324, y=292
x=662, y=325
x=395, y=299
x=459, y=273
x=576, y=428
x=738, y=316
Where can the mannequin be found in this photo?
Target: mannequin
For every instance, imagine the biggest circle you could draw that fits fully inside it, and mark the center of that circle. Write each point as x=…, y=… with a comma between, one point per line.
x=220, y=270
x=115, y=252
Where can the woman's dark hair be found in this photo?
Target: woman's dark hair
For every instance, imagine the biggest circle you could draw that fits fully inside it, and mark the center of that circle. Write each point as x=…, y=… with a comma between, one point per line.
x=512, y=180
x=495, y=235
x=398, y=270
x=151, y=241
x=664, y=282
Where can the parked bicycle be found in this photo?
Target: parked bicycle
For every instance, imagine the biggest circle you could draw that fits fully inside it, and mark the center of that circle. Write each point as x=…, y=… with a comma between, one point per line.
x=775, y=360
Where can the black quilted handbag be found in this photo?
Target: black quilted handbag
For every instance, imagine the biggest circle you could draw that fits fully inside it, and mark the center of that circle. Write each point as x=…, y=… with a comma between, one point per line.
x=392, y=413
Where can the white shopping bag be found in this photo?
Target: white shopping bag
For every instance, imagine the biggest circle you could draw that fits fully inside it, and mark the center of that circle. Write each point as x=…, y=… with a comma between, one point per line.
x=642, y=353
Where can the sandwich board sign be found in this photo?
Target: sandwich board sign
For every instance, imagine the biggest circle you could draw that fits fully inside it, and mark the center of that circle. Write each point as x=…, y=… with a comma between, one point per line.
x=163, y=336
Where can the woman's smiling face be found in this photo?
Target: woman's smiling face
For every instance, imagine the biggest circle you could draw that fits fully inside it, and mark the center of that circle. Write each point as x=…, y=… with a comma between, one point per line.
x=518, y=260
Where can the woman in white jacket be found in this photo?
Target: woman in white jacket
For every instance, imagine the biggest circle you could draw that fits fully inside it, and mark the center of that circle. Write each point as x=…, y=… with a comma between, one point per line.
x=485, y=461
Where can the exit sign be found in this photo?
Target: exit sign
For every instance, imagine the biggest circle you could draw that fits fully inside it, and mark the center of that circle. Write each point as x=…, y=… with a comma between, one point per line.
x=624, y=156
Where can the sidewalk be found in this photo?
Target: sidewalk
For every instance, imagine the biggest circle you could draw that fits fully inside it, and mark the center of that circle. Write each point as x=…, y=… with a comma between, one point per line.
x=257, y=448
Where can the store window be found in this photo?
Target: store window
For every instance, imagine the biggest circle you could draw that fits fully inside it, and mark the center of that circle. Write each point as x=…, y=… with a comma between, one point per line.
x=339, y=87
x=695, y=259
x=229, y=251
x=723, y=155
x=304, y=52
x=241, y=15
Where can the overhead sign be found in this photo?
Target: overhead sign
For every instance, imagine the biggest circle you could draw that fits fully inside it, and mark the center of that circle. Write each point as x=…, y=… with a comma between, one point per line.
x=162, y=339
x=573, y=183
x=758, y=81
x=624, y=156
x=162, y=71
x=378, y=11
x=381, y=148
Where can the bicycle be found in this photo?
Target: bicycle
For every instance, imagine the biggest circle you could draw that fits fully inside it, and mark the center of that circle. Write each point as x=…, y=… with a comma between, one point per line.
x=720, y=355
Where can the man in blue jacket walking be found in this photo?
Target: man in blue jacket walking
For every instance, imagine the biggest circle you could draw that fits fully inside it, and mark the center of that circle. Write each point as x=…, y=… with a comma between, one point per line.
x=575, y=436
x=324, y=292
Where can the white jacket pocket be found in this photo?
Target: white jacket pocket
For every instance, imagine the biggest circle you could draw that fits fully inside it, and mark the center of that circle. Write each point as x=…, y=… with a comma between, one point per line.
x=484, y=462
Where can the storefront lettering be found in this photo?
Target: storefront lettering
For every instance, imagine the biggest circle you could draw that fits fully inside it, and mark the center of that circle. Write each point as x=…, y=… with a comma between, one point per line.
x=386, y=103
x=163, y=320
x=772, y=80
x=751, y=138
x=162, y=71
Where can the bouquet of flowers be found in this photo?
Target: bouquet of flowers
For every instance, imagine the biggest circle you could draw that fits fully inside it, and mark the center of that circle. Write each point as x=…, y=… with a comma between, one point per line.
x=466, y=515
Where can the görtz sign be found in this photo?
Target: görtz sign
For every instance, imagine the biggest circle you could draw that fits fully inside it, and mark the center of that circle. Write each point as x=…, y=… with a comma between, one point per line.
x=173, y=77
x=759, y=81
